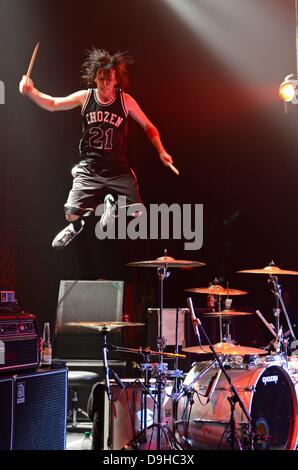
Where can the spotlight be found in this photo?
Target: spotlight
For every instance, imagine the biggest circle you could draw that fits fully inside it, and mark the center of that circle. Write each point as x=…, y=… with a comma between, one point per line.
x=288, y=90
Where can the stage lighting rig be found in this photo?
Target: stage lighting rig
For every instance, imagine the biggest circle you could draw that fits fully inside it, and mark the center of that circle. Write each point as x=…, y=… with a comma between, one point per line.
x=288, y=90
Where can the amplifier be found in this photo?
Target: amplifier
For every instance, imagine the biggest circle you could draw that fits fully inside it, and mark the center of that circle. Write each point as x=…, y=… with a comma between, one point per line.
x=19, y=342
x=33, y=410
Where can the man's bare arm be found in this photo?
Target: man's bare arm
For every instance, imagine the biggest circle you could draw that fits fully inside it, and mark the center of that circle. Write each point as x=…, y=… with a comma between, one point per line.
x=51, y=103
x=140, y=117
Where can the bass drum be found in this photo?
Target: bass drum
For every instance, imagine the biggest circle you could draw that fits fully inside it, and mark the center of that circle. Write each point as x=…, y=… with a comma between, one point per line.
x=268, y=394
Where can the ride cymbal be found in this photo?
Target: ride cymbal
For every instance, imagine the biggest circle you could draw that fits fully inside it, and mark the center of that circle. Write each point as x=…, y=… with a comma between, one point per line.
x=226, y=349
x=270, y=270
x=216, y=290
x=168, y=261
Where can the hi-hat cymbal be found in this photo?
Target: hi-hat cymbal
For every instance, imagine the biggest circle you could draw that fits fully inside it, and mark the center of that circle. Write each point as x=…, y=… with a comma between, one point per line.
x=227, y=314
x=168, y=261
x=270, y=270
x=226, y=349
x=216, y=289
x=99, y=325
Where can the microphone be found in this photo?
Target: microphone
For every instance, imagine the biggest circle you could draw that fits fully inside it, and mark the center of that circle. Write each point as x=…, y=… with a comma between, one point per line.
x=117, y=379
x=195, y=320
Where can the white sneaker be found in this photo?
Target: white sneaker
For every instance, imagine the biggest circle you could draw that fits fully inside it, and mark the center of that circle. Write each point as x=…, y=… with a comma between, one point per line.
x=109, y=211
x=66, y=235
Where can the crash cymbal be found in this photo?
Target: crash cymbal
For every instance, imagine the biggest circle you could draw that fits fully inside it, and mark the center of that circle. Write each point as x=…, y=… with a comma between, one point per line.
x=227, y=314
x=226, y=349
x=270, y=270
x=216, y=290
x=168, y=261
x=110, y=325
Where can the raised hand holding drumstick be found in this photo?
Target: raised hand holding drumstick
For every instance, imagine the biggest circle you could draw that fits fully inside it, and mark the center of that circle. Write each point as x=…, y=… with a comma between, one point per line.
x=26, y=84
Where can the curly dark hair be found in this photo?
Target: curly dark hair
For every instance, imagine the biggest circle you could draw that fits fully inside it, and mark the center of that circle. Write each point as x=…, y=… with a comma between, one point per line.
x=101, y=59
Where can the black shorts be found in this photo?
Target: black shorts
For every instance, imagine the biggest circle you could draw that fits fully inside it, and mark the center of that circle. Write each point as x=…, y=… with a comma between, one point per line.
x=91, y=185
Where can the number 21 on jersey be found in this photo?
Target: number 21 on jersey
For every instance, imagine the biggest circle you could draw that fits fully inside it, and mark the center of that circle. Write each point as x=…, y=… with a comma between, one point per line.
x=101, y=139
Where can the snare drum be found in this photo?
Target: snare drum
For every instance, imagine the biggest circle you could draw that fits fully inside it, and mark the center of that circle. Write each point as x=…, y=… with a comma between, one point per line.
x=268, y=394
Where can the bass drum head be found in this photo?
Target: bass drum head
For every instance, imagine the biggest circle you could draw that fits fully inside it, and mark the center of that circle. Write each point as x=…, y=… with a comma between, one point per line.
x=273, y=411
x=203, y=422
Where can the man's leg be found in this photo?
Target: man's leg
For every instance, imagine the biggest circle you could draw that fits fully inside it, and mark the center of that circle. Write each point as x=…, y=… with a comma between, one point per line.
x=109, y=213
x=80, y=203
x=124, y=185
x=66, y=235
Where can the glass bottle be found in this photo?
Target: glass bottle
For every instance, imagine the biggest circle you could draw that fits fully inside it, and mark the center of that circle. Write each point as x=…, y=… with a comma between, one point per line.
x=46, y=355
x=87, y=441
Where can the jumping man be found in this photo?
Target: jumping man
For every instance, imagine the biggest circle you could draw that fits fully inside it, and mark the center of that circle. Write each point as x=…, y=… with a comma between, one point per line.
x=103, y=171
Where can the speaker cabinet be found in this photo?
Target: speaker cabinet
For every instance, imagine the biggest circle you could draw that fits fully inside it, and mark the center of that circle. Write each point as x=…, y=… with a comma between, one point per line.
x=87, y=301
x=6, y=412
x=33, y=410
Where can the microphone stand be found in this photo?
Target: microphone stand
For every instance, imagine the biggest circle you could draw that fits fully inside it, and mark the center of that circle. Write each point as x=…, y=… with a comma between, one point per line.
x=234, y=398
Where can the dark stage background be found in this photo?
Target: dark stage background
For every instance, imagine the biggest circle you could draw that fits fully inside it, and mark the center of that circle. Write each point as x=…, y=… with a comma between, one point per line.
x=219, y=116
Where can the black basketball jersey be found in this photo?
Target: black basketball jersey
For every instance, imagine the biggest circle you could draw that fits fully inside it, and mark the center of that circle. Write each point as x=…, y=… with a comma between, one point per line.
x=104, y=130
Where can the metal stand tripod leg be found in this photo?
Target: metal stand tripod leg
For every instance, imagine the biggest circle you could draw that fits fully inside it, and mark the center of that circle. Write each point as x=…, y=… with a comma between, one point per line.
x=107, y=384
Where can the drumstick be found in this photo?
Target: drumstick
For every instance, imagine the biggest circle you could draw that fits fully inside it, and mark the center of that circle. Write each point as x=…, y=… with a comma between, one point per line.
x=173, y=168
x=32, y=61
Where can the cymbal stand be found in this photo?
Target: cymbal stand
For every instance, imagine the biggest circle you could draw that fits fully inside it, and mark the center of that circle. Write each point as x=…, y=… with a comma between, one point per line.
x=178, y=374
x=156, y=396
x=105, y=348
x=146, y=369
x=276, y=290
x=218, y=302
x=162, y=274
x=234, y=398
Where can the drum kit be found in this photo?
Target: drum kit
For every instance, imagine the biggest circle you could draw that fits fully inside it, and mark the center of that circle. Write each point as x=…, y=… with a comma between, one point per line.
x=244, y=398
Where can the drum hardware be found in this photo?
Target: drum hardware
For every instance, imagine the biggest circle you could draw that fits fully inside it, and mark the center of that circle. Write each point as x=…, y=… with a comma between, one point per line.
x=276, y=311
x=294, y=348
x=146, y=352
x=141, y=439
x=104, y=332
x=216, y=291
x=187, y=389
x=162, y=264
x=273, y=271
x=161, y=373
x=234, y=398
x=105, y=327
